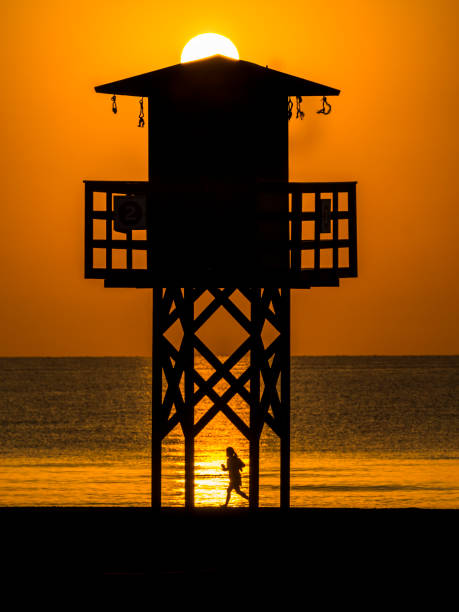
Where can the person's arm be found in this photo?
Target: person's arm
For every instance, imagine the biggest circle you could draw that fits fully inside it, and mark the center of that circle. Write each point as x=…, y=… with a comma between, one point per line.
x=224, y=467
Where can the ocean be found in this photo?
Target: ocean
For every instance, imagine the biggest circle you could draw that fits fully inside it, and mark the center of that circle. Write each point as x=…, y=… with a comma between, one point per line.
x=366, y=432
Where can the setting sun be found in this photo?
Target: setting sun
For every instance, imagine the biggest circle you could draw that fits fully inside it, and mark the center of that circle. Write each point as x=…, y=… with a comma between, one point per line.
x=206, y=45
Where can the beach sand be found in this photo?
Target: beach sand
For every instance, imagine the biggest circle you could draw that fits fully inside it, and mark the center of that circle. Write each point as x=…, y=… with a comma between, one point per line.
x=319, y=551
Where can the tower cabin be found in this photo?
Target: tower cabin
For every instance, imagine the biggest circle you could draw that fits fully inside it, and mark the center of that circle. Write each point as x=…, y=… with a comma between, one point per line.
x=218, y=208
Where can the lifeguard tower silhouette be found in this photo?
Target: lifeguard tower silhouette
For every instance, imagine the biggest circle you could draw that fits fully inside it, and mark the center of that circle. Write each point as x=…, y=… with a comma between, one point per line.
x=218, y=210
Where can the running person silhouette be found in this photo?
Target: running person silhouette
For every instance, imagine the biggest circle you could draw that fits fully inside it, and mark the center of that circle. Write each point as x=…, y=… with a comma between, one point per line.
x=234, y=466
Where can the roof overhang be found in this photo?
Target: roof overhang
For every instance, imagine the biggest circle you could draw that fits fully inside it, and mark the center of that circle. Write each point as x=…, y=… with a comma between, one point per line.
x=219, y=71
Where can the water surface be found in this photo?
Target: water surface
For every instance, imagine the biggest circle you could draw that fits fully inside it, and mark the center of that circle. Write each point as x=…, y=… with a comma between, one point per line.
x=366, y=432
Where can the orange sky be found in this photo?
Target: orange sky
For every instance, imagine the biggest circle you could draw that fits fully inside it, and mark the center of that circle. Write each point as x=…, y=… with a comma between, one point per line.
x=394, y=129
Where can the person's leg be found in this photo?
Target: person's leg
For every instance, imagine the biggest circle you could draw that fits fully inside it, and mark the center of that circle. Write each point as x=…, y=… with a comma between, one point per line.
x=241, y=493
x=228, y=494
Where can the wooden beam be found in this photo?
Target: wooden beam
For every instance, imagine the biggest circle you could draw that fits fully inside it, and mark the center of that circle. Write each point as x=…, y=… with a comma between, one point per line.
x=296, y=231
x=156, y=398
x=334, y=217
x=187, y=318
x=108, y=231
x=316, y=246
x=284, y=417
x=256, y=352
x=352, y=231
x=88, y=231
x=215, y=409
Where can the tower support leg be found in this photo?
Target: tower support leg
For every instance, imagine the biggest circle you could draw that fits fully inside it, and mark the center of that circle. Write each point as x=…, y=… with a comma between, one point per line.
x=187, y=320
x=156, y=398
x=284, y=426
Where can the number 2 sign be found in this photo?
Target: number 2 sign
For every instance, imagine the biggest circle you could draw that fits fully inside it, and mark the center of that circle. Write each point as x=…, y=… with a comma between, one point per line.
x=130, y=213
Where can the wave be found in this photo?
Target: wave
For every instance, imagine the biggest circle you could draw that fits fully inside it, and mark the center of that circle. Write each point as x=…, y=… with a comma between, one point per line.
x=370, y=488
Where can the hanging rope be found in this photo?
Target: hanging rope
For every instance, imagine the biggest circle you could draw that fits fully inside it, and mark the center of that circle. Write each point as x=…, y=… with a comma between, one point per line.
x=323, y=110
x=299, y=112
x=141, y=115
x=290, y=108
x=114, y=107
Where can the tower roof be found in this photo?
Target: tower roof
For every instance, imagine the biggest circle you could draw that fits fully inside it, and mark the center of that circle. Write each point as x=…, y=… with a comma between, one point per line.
x=217, y=71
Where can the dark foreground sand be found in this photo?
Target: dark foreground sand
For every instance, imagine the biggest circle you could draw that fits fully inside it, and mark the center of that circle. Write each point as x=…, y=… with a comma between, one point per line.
x=312, y=549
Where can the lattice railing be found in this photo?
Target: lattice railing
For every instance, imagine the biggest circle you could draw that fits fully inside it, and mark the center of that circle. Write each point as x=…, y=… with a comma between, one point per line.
x=323, y=227
x=107, y=249
x=322, y=243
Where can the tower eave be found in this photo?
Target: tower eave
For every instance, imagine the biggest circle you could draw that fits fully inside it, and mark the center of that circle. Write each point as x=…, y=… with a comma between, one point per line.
x=219, y=68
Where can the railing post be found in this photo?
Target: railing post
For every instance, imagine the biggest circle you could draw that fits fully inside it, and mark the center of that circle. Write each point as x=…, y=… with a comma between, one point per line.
x=89, y=230
x=296, y=230
x=108, y=230
x=335, y=221
x=317, y=220
x=352, y=229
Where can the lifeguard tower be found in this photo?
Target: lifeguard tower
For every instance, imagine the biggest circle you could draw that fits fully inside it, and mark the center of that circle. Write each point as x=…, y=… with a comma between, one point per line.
x=218, y=210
